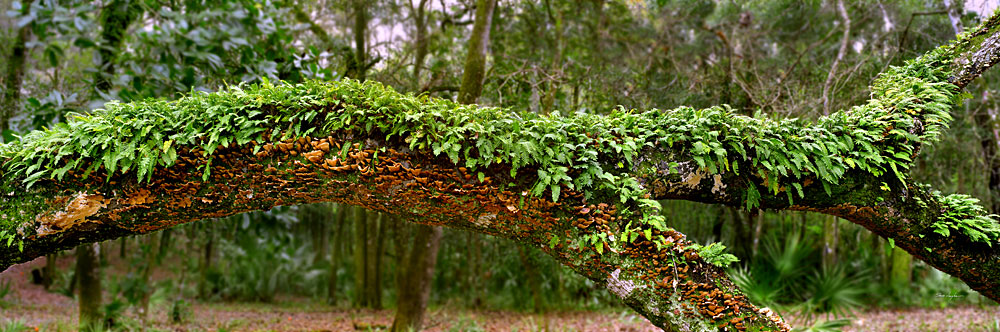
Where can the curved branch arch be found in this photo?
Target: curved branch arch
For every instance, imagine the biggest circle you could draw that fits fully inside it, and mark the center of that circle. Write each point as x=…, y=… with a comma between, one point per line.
x=579, y=187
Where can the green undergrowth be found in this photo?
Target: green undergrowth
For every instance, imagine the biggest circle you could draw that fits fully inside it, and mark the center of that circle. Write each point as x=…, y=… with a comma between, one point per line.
x=909, y=106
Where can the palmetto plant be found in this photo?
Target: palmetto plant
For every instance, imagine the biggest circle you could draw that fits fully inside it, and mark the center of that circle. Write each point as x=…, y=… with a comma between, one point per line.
x=776, y=276
x=834, y=290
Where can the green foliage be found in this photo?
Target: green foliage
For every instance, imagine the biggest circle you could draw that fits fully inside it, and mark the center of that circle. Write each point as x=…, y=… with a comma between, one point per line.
x=5, y=289
x=963, y=213
x=263, y=259
x=14, y=325
x=833, y=290
x=715, y=254
x=909, y=107
x=834, y=325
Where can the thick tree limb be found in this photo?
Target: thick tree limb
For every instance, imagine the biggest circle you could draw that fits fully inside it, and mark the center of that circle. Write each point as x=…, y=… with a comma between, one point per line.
x=362, y=144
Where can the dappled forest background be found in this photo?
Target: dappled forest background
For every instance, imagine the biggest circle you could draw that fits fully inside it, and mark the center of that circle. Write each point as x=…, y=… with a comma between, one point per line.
x=782, y=58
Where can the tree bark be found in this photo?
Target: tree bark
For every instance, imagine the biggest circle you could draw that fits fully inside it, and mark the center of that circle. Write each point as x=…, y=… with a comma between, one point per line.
x=415, y=277
x=420, y=41
x=204, y=290
x=475, y=60
x=670, y=284
x=357, y=65
x=15, y=72
x=89, y=278
x=376, y=245
x=339, y=220
x=50, y=269
x=534, y=282
x=115, y=18
x=901, y=269
x=151, y=253
x=361, y=262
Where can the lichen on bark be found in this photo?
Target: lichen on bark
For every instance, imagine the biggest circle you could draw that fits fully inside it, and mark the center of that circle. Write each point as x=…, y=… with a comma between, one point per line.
x=582, y=187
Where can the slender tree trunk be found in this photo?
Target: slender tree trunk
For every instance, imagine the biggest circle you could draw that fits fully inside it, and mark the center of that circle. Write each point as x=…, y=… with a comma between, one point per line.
x=88, y=276
x=151, y=253
x=322, y=239
x=50, y=269
x=115, y=18
x=164, y=245
x=901, y=269
x=414, y=279
x=552, y=84
x=829, y=240
x=475, y=60
x=841, y=52
x=121, y=246
x=206, y=262
x=360, y=257
x=15, y=72
x=531, y=270
x=419, y=42
x=103, y=255
x=357, y=66
x=376, y=251
x=339, y=220
x=757, y=232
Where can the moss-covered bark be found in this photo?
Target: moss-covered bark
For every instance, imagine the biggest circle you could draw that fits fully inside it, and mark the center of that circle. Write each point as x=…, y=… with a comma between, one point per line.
x=15, y=72
x=577, y=187
x=672, y=286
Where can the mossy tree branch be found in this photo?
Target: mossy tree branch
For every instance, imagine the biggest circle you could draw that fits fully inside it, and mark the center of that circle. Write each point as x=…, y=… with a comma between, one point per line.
x=579, y=187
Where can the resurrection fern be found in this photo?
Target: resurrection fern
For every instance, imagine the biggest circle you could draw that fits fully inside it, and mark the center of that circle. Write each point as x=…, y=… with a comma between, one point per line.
x=715, y=254
x=908, y=107
x=963, y=213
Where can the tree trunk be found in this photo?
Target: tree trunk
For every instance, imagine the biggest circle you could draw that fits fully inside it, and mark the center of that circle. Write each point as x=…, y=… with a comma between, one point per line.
x=758, y=222
x=415, y=277
x=534, y=284
x=15, y=73
x=204, y=290
x=164, y=246
x=902, y=269
x=151, y=252
x=121, y=246
x=338, y=233
x=115, y=18
x=357, y=66
x=50, y=269
x=475, y=60
x=830, y=241
x=361, y=262
x=88, y=276
x=473, y=273
x=419, y=42
x=376, y=250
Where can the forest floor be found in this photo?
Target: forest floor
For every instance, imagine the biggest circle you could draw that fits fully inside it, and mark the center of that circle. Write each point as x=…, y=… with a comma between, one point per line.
x=40, y=310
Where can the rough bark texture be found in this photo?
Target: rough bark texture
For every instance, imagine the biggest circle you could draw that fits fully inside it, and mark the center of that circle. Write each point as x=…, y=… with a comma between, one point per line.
x=15, y=73
x=356, y=65
x=667, y=282
x=115, y=18
x=335, y=253
x=420, y=41
x=415, y=276
x=475, y=61
x=361, y=240
x=89, y=279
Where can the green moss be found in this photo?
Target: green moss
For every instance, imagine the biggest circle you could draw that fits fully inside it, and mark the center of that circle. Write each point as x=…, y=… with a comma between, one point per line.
x=909, y=107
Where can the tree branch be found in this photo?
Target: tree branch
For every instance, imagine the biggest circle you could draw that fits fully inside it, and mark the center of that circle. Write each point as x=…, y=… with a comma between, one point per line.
x=579, y=187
